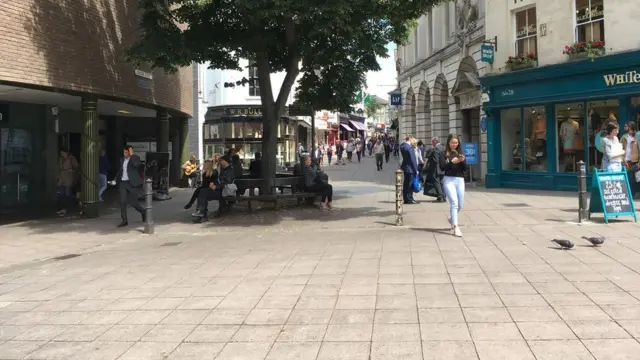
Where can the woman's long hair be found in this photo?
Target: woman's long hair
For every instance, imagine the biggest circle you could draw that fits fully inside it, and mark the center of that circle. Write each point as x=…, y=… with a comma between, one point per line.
x=447, y=148
x=209, y=172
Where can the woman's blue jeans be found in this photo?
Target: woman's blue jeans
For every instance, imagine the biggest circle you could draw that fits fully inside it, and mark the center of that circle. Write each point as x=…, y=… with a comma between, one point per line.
x=454, y=189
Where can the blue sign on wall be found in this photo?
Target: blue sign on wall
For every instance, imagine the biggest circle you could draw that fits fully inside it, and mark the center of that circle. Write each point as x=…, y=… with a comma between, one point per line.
x=396, y=99
x=483, y=124
x=486, y=53
x=470, y=153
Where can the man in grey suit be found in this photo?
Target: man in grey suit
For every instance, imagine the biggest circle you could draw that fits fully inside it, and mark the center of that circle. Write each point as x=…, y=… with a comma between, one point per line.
x=130, y=184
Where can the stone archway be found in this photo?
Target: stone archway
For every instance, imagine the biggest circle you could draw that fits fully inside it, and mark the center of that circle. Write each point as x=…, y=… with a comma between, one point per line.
x=423, y=114
x=440, y=108
x=466, y=107
x=409, y=115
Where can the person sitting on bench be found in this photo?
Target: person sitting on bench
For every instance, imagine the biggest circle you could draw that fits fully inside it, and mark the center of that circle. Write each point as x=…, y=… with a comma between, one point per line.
x=208, y=174
x=218, y=189
x=316, y=181
x=255, y=168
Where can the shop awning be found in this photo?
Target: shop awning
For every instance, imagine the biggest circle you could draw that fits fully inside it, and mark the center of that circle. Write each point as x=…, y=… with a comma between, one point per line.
x=346, y=127
x=357, y=125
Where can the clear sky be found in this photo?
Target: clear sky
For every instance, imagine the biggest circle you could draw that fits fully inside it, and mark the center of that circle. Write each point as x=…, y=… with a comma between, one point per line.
x=381, y=82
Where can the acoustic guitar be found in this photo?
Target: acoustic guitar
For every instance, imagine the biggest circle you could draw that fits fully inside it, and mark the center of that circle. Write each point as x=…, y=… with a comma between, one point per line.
x=190, y=169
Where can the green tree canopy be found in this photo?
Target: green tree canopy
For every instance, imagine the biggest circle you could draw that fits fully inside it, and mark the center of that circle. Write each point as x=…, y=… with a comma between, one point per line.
x=330, y=44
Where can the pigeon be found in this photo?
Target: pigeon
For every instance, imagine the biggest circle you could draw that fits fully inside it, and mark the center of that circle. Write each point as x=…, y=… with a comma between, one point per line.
x=595, y=241
x=565, y=244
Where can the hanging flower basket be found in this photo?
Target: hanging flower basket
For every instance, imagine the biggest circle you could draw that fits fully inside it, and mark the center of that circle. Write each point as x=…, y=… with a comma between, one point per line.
x=520, y=62
x=584, y=50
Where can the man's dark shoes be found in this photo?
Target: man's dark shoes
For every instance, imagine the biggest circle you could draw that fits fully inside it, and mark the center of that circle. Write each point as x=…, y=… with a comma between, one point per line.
x=123, y=224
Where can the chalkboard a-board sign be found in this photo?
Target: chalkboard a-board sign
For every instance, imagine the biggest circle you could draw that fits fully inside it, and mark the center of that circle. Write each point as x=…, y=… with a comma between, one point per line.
x=611, y=195
x=157, y=169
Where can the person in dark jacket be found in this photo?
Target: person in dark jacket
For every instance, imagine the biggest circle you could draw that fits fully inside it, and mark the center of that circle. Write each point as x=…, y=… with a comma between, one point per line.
x=410, y=168
x=452, y=163
x=314, y=184
x=208, y=175
x=339, y=152
x=214, y=192
x=255, y=168
x=130, y=183
x=434, y=175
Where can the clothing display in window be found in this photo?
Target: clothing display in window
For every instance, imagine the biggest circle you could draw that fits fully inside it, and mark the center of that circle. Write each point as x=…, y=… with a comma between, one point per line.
x=539, y=136
x=570, y=136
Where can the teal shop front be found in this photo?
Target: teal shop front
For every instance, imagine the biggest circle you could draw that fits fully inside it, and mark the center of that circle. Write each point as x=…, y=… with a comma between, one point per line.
x=542, y=121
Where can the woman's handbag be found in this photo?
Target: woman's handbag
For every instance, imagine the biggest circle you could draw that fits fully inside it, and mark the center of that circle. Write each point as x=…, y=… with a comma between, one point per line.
x=417, y=184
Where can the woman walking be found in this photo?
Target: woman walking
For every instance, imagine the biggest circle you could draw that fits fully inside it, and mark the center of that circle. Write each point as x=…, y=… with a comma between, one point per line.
x=453, y=165
x=612, y=149
x=378, y=150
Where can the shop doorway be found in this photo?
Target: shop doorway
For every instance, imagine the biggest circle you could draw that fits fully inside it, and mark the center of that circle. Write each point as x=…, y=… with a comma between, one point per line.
x=471, y=134
x=71, y=142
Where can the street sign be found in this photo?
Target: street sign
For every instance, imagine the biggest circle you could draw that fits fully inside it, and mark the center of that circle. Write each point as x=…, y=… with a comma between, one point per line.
x=396, y=99
x=483, y=124
x=486, y=51
x=470, y=153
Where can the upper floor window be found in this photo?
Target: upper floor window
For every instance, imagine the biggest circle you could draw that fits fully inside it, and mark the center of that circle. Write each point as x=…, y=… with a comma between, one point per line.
x=526, y=32
x=254, y=86
x=589, y=20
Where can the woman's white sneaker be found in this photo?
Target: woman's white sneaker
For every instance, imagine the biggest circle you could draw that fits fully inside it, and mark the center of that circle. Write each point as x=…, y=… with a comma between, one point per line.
x=457, y=232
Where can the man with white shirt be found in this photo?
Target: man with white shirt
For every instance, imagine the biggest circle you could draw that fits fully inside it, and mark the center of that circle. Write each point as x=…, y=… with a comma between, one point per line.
x=130, y=184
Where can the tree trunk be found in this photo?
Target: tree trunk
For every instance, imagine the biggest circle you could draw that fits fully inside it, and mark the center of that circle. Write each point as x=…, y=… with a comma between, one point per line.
x=270, y=121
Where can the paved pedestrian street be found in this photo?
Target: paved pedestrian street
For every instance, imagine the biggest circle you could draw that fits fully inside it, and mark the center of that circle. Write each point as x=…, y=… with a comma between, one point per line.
x=299, y=283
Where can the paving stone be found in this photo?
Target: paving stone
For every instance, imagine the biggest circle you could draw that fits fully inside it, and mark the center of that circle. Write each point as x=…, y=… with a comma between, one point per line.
x=351, y=332
x=299, y=351
x=302, y=333
x=344, y=351
x=196, y=351
x=542, y=330
x=498, y=350
x=149, y=351
x=588, y=330
x=486, y=315
x=396, y=351
x=494, y=331
x=559, y=350
x=449, y=350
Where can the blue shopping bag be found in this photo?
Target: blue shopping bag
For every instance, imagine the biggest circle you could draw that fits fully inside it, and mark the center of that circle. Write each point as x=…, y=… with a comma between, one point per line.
x=417, y=184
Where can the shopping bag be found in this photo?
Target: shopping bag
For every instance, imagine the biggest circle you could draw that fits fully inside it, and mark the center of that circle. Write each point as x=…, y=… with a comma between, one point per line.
x=417, y=184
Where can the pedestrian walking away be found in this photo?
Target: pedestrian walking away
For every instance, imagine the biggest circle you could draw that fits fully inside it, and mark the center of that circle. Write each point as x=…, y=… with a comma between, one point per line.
x=130, y=184
x=378, y=150
x=452, y=163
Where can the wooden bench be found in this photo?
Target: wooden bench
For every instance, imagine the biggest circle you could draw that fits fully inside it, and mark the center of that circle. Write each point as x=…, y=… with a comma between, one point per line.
x=294, y=183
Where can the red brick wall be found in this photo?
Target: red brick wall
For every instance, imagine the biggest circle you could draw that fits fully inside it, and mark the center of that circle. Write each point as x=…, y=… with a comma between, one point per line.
x=79, y=45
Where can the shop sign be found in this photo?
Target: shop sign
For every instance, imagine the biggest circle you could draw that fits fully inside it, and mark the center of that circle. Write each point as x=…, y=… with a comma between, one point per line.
x=4, y=113
x=483, y=124
x=611, y=195
x=469, y=100
x=486, y=53
x=629, y=77
x=470, y=153
x=243, y=111
x=396, y=99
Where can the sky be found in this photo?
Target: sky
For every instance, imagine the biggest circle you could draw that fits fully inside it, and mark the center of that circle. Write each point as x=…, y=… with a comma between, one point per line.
x=381, y=82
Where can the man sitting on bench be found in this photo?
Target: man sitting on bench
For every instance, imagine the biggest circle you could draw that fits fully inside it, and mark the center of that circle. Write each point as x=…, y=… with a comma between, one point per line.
x=220, y=187
x=316, y=181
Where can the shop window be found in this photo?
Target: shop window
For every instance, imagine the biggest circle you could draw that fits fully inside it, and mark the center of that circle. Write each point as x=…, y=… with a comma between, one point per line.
x=535, y=142
x=589, y=20
x=571, y=126
x=526, y=32
x=254, y=86
x=600, y=113
x=524, y=139
x=511, y=135
x=635, y=107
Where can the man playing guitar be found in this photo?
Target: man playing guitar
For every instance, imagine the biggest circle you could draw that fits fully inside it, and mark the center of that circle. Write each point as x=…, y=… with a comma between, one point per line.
x=190, y=168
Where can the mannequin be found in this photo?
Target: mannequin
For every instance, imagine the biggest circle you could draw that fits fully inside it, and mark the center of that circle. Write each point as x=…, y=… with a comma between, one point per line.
x=572, y=143
x=610, y=120
x=539, y=136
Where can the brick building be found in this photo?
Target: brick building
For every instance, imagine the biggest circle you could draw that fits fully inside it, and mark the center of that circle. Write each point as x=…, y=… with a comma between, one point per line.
x=64, y=83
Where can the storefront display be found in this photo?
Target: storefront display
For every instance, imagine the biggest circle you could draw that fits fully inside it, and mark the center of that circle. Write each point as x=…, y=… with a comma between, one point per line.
x=240, y=127
x=538, y=131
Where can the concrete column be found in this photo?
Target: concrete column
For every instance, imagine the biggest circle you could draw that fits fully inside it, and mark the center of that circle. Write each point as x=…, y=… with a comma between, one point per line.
x=455, y=117
x=184, y=143
x=162, y=137
x=440, y=117
x=176, y=171
x=89, y=164
x=421, y=127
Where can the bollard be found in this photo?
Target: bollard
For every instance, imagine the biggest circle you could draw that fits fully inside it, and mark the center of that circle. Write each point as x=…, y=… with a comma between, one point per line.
x=148, y=192
x=583, y=210
x=399, y=197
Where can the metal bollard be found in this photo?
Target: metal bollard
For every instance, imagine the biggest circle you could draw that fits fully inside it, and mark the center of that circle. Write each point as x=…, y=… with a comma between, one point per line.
x=583, y=210
x=399, y=197
x=148, y=192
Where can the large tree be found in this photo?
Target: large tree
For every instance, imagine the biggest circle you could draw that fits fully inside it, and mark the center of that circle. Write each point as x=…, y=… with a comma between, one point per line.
x=332, y=43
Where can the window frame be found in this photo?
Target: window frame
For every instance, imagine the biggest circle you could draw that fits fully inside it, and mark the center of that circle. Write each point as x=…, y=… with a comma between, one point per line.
x=576, y=25
x=528, y=27
x=255, y=87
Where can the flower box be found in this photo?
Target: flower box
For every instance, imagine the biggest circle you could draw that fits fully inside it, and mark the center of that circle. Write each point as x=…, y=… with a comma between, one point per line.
x=584, y=50
x=578, y=56
x=522, y=66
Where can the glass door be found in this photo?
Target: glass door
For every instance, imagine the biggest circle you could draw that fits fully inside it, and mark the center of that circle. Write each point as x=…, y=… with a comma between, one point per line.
x=16, y=150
